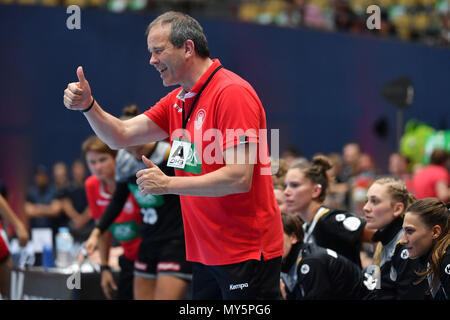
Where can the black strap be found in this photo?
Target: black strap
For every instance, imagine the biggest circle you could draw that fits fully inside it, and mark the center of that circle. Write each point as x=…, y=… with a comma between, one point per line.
x=185, y=120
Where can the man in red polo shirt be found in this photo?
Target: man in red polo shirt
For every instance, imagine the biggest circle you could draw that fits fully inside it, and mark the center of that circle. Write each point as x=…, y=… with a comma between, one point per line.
x=217, y=127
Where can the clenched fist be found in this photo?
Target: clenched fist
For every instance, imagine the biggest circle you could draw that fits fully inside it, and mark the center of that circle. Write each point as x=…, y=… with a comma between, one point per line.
x=77, y=95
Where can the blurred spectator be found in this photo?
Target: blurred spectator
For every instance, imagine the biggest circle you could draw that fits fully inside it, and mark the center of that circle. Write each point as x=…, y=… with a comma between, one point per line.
x=61, y=184
x=337, y=189
x=60, y=177
x=41, y=206
x=290, y=154
x=279, y=196
x=433, y=180
x=360, y=183
x=398, y=168
x=424, y=21
x=345, y=19
x=301, y=13
x=351, y=153
x=249, y=10
x=75, y=204
x=278, y=176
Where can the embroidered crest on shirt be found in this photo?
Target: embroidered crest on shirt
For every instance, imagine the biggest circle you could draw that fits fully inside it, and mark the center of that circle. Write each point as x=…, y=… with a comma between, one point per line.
x=199, y=119
x=447, y=269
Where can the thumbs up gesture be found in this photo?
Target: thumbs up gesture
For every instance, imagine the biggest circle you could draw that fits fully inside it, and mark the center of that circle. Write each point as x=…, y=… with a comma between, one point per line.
x=152, y=180
x=77, y=95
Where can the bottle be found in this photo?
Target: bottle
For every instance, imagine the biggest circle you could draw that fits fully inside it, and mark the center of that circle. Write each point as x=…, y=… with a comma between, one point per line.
x=64, y=246
x=47, y=257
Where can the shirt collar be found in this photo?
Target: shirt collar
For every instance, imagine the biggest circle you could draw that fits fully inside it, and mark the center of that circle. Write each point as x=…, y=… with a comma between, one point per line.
x=183, y=94
x=388, y=233
x=291, y=258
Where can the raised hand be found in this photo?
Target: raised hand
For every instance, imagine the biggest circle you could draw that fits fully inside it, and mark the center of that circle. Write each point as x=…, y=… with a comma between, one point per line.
x=77, y=95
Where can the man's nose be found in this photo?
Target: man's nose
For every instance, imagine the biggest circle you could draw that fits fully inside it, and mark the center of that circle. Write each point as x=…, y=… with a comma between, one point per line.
x=153, y=59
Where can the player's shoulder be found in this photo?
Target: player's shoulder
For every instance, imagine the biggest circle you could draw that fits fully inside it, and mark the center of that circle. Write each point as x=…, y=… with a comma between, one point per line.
x=126, y=165
x=91, y=182
x=161, y=153
x=315, y=254
x=340, y=217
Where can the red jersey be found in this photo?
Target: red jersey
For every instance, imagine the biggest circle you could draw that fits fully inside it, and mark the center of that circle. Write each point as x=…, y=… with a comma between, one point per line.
x=237, y=227
x=126, y=226
x=424, y=181
x=4, y=251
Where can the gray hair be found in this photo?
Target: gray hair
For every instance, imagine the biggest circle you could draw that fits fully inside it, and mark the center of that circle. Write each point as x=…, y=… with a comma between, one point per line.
x=184, y=27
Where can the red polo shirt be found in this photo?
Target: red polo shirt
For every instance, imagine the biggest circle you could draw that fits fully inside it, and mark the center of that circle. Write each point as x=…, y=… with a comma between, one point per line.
x=424, y=182
x=238, y=227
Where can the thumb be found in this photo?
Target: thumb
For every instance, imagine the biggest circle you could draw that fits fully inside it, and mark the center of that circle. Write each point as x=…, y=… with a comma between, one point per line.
x=80, y=75
x=148, y=162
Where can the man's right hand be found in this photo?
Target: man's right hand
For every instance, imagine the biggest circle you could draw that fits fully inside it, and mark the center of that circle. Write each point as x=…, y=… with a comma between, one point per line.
x=77, y=95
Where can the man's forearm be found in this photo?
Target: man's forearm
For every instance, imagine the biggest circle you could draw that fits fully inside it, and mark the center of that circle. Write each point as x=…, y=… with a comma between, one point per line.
x=107, y=127
x=219, y=183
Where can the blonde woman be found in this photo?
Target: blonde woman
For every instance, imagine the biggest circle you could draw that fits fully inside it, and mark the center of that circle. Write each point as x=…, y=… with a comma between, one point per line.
x=387, y=200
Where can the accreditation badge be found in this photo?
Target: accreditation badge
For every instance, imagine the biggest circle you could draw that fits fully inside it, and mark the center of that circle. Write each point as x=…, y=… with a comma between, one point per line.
x=184, y=156
x=178, y=154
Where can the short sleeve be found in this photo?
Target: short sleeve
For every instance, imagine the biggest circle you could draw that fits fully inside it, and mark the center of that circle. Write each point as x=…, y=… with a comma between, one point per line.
x=159, y=113
x=238, y=116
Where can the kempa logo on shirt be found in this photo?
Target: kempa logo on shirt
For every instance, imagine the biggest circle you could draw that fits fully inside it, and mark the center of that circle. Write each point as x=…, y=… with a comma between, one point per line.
x=176, y=106
x=238, y=286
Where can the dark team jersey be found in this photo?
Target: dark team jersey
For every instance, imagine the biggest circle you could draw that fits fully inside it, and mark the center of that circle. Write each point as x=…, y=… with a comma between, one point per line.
x=311, y=272
x=398, y=273
x=337, y=230
x=444, y=277
x=161, y=214
x=441, y=291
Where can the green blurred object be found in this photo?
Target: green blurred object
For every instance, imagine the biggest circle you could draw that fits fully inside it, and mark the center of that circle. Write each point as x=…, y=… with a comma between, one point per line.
x=117, y=5
x=443, y=6
x=437, y=140
x=136, y=5
x=412, y=143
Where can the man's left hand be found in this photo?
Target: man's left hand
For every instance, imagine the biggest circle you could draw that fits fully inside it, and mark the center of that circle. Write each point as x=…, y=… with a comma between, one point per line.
x=152, y=180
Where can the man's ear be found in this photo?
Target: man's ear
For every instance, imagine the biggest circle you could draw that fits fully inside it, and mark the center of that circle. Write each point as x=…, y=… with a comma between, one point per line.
x=189, y=48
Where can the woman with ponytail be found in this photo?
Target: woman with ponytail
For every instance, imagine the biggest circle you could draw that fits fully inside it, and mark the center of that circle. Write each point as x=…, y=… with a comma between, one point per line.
x=427, y=238
x=306, y=186
x=387, y=200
